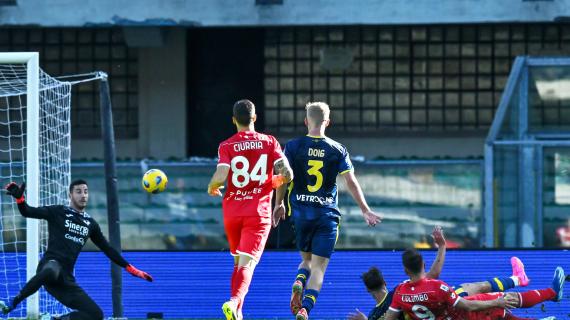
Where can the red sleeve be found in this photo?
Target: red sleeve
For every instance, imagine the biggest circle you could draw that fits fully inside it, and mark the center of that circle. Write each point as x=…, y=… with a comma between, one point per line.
x=277, y=152
x=447, y=294
x=224, y=155
x=395, y=305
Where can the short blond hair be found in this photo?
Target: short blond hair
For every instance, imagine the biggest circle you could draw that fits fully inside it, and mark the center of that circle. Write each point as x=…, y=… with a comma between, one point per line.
x=317, y=112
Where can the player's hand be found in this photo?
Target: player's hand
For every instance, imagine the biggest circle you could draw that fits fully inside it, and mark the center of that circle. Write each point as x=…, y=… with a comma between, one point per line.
x=215, y=191
x=138, y=273
x=277, y=181
x=16, y=191
x=438, y=237
x=511, y=301
x=278, y=214
x=357, y=315
x=372, y=218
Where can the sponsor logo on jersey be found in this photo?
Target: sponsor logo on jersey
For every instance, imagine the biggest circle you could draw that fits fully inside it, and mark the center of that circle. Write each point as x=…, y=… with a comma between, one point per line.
x=76, y=228
x=315, y=199
x=444, y=288
x=75, y=239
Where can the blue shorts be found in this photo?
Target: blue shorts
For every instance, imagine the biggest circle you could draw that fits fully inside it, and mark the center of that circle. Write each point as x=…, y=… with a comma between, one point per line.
x=317, y=236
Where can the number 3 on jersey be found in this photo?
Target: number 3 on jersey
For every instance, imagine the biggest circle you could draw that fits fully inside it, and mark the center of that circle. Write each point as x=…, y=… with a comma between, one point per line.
x=240, y=168
x=314, y=167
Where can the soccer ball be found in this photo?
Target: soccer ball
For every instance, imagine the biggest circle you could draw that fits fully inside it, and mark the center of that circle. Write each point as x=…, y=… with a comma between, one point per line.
x=154, y=181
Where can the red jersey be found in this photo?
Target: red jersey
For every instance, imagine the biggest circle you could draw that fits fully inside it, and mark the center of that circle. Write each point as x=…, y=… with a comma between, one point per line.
x=425, y=299
x=250, y=156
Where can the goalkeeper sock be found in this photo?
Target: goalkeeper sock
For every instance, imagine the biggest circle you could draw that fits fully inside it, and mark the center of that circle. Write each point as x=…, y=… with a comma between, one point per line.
x=501, y=284
x=303, y=275
x=309, y=299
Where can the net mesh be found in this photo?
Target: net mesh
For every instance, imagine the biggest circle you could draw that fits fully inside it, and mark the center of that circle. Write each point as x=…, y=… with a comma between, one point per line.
x=54, y=157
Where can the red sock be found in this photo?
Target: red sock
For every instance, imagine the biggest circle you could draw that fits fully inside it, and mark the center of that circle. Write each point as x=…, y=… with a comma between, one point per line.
x=534, y=297
x=242, y=281
x=233, y=281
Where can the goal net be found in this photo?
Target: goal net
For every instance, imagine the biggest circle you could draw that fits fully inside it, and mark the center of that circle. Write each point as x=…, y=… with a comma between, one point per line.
x=35, y=146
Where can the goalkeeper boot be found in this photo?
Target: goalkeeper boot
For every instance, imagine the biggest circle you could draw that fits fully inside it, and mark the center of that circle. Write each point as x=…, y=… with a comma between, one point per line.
x=558, y=283
x=518, y=271
x=230, y=310
x=296, y=297
x=302, y=314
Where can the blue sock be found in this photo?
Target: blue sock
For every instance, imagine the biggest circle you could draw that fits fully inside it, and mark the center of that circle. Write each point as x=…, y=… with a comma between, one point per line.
x=309, y=299
x=303, y=275
x=501, y=284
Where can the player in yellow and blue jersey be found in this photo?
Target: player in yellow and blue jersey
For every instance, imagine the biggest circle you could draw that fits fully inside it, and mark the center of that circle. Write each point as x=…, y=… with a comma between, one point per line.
x=316, y=161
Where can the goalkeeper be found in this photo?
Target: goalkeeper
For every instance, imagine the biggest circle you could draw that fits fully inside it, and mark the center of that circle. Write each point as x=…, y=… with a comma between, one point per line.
x=69, y=228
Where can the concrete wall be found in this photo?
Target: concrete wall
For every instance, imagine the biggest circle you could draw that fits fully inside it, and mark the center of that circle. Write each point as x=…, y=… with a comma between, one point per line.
x=162, y=105
x=291, y=12
x=421, y=146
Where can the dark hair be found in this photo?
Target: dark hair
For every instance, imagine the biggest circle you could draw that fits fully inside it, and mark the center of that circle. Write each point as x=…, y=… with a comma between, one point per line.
x=413, y=261
x=76, y=183
x=373, y=279
x=244, y=110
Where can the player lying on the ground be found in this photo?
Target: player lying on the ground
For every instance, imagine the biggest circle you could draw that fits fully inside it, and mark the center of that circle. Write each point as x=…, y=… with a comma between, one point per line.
x=69, y=228
x=376, y=285
x=424, y=298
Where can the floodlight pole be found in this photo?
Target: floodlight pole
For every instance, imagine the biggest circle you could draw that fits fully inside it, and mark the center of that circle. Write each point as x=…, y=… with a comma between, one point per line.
x=108, y=136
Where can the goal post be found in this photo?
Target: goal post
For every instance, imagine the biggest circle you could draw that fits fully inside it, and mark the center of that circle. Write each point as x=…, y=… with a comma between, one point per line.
x=31, y=60
x=35, y=142
x=35, y=147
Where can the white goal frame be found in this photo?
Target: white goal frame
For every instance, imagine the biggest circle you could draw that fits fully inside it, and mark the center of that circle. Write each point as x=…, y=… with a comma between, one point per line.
x=32, y=61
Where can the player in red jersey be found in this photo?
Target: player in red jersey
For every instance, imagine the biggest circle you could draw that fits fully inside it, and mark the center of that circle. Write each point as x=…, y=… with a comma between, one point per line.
x=421, y=298
x=248, y=160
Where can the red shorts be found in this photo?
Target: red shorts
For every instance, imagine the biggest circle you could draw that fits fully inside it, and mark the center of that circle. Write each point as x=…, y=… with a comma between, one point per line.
x=247, y=235
x=491, y=314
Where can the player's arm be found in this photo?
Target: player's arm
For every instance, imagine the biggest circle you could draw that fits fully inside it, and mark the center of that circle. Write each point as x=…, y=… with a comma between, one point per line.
x=218, y=180
x=476, y=305
x=279, y=210
x=355, y=190
x=25, y=210
x=437, y=265
x=99, y=240
x=284, y=176
x=284, y=173
x=392, y=314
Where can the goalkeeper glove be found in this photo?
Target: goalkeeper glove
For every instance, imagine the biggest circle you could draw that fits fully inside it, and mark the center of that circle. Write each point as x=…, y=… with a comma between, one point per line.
x=16, y=191
x=138, y=273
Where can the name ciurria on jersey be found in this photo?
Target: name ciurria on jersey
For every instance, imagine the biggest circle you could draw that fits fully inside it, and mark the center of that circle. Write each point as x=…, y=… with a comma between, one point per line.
x=248, y=145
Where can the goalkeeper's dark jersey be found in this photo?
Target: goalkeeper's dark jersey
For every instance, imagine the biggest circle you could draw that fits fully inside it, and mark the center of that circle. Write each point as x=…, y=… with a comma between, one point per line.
x=69, y=230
